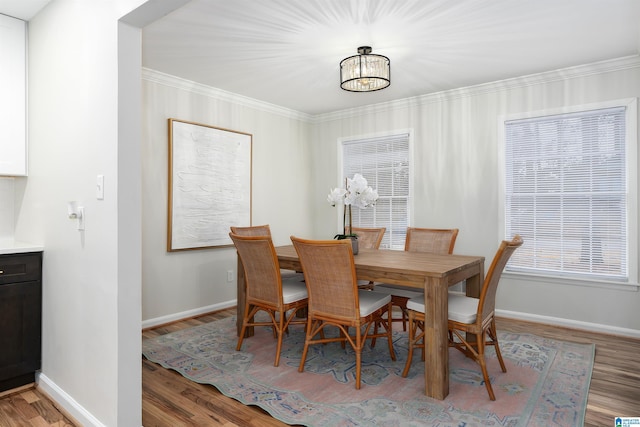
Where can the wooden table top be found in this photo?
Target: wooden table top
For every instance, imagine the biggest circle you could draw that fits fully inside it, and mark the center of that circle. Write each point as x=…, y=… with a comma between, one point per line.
x=400, y=267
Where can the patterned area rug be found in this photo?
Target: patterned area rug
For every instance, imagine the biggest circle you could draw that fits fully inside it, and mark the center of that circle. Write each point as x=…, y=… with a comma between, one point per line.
x=546, y=383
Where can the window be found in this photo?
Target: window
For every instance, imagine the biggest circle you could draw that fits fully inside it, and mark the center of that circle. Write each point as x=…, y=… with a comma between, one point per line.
x=566, y=193
x=384, y=162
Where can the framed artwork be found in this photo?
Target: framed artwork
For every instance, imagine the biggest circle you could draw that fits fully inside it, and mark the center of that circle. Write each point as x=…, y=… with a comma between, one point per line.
x=209, y=185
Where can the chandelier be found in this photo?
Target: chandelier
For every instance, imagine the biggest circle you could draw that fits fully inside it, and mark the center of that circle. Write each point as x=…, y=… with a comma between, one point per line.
x=365, y=72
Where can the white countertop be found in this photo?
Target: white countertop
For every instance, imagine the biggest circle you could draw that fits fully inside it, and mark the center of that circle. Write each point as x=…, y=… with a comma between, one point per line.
x=8, y=246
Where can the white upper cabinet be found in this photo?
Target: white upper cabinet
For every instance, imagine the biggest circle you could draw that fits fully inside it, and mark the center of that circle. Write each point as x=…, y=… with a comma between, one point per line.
x=13, y=100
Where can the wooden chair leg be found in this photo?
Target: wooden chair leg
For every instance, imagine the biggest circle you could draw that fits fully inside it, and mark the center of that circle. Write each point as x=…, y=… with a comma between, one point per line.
x=389, y=329
x=375, y=332
x=241, y=337
x=483, y=364
x=357, y=345
x=278, y=349
x=412, y=334
x=281, y=331
x=249, y=312
x=404, y=318
x=401, y=303
x=494, y=337
x=305, y=349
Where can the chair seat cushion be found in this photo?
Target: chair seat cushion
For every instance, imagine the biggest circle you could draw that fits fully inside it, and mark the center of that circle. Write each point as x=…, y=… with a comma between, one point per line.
x=293, y=290
x=399, y=291
x=370, y=301
x=291, y=275
x=462, y=309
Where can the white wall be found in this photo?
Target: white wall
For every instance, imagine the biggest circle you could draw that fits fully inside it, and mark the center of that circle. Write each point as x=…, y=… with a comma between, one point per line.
x=6, y=208
x=456, y=184
x=179, y=284
x=73, y=136
x=91, y=290
x=457, y=177
x=84, y=120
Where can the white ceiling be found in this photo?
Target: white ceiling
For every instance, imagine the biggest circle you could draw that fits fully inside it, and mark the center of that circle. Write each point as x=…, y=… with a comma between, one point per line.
x=287, y=52
x=22, y=9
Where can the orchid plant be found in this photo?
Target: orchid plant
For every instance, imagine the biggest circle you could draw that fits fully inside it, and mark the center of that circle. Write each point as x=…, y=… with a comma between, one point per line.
x=356, y=193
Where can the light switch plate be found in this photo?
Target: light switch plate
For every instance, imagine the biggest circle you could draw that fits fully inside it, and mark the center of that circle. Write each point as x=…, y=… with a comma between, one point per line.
x=100, y=187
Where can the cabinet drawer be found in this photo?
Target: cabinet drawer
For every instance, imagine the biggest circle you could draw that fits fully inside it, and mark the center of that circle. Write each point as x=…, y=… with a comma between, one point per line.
x=17, y=268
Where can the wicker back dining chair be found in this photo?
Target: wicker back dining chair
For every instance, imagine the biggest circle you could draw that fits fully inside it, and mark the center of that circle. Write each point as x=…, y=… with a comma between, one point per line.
x=335, y=300
x=368, y=238
x=428, y=240
x=266, y=290
x=468, y=316
x=265, y=230
x=254, y=230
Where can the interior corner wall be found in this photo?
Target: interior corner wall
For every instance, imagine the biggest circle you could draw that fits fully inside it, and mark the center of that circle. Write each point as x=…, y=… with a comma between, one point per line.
x=72, y=138
x=178, y=284
x=456, y=178
x=91, y=286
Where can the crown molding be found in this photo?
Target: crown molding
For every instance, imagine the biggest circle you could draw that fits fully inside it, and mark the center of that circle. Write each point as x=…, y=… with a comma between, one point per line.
x=619, y=64
x=221, y=95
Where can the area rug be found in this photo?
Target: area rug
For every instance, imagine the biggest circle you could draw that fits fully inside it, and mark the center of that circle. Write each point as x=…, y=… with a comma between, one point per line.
x=546, y=383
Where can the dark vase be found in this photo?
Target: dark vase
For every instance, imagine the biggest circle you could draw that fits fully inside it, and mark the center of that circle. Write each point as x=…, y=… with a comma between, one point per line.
x=354, y=245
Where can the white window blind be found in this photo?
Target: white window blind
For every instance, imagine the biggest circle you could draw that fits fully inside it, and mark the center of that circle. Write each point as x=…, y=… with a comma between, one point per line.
x=384, y=162
x=566, y=194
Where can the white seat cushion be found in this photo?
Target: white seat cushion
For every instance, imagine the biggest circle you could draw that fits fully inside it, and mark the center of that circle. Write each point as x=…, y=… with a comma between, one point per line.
x=416, y=304
x=293, y=290
x=399, y=291
x=291, y=275
x=370, y=301
x=462, y=309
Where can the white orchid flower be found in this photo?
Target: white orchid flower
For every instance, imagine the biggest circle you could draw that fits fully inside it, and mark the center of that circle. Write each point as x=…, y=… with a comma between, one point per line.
x=357, y=185
x=366, y=198
x=374, y=197
x=357, y=193
x=336, y=196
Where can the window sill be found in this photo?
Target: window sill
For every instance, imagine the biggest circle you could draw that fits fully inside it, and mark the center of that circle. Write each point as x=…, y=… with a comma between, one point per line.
x=554, y=280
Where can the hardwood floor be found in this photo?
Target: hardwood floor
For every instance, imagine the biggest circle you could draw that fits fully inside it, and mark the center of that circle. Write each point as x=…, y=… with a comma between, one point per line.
x=28, y=406
x=169, y=400
x=615, y=383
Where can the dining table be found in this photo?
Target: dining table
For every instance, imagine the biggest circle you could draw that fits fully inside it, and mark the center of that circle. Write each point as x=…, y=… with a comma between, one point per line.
x=431, y=272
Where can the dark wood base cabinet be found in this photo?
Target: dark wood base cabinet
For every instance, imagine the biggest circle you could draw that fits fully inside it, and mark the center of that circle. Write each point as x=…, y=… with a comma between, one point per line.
x=20, y=318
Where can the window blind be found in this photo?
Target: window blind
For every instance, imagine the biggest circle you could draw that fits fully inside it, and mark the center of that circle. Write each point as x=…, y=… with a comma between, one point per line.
x=384, y=162
x=566, y=193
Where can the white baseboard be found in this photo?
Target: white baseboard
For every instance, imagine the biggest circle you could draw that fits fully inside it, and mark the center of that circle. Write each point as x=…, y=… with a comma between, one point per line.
x=68, y=403
x=150, y=323
x=568, y=323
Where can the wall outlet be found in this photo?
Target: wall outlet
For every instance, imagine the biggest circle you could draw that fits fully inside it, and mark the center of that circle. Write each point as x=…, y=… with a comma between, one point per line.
x=229, y=275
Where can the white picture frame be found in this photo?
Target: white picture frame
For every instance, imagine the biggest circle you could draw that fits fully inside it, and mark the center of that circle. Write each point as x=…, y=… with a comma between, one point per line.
x=209, y=185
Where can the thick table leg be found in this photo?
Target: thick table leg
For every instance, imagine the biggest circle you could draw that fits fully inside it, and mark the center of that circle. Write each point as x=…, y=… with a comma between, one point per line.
x=436, y=372
x=474, y=283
